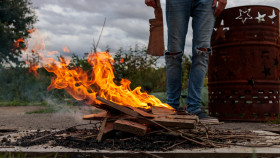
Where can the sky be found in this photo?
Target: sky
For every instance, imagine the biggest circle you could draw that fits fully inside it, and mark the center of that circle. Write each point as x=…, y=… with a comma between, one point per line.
x=76, y=23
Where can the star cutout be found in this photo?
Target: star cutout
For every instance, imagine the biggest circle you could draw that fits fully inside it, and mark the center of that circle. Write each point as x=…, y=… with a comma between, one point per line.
x=260, y=17
x=266, y=71
x=251, y=82
x=244, y=15
x=276, y=62
x=273, y=17
x=221, y=30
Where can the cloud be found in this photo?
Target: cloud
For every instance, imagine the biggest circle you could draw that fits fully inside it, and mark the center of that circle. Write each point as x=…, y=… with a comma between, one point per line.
x=75, y=23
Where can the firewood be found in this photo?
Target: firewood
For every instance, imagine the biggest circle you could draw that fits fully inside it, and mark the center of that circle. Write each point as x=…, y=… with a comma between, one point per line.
x=183, y=117
x=168, y=122
x=162, y=111
x=130, y=127
x=101, y=129
x=141, y=112
x=99, y=116
x=109, y=127
x=118, y=107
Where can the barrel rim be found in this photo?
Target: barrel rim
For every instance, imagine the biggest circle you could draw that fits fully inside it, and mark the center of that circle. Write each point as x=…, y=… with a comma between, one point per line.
x=253, y=6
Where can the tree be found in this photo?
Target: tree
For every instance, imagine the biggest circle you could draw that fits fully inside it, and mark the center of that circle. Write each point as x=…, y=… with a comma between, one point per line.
x=16, y=18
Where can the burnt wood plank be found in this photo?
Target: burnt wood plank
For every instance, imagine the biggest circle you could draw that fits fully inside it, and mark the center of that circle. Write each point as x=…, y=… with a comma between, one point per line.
x=109, y=127
x=101, y=130
x=141, y=112
x=118, y=107
x=130, y=127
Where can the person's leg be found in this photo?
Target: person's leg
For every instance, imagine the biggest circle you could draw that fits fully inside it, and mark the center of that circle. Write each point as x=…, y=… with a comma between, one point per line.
x=177, y=18
x=202, y=23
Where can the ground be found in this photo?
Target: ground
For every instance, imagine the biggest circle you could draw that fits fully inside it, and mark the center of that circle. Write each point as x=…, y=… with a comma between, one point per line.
x=17, y=119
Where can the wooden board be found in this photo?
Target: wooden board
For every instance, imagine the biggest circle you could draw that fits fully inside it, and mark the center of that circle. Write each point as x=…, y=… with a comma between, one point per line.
x=118, y=107
x=130, y=127
x=99, y=116
x=141, y=112
x=183, y=117
x=182, y=123
x=101, y=130
x=162, y=111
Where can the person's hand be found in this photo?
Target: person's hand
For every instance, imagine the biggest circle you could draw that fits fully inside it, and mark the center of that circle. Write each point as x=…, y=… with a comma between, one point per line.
x=151, y=3
x=221, y=6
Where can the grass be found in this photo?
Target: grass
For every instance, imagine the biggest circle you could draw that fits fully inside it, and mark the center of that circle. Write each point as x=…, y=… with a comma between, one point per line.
x=22, y=103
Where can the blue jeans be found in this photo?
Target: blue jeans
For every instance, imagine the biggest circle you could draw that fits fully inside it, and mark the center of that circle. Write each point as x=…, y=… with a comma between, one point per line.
x=178, y=13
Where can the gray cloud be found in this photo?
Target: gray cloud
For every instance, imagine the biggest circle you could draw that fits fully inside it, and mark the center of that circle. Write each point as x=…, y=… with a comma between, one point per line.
x=74, y=23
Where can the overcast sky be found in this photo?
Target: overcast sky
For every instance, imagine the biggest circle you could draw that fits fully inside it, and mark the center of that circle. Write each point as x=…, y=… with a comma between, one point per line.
x=74, y=23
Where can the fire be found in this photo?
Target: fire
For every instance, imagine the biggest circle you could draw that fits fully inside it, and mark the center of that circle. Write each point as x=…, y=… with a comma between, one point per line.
x=66, y=50
x=86, y=85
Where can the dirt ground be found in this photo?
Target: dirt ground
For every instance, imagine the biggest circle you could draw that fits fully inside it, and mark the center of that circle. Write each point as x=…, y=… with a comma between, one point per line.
x=17, y=119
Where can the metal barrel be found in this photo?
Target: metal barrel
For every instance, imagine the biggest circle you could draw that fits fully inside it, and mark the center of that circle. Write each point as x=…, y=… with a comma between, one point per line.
x=244, y=70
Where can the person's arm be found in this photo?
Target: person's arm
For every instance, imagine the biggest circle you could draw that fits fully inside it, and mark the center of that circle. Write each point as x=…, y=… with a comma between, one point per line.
x=151, y=3
x=221, y=6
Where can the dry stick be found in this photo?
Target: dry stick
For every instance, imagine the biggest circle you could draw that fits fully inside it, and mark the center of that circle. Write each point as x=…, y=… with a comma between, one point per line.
x=176, y=145
x=58, y=132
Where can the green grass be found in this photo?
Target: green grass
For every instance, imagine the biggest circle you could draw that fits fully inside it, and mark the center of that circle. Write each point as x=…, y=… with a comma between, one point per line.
x=22, y=103
x=46, y=110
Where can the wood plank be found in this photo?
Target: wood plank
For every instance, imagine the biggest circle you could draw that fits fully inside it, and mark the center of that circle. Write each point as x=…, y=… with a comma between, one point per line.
x=99, y=116
x=162, y=111
x=109, y=127
x=118, y=107
x=182, y=123
x=141, y=112
x=183, y=117
x=130, y=127
x=101, y=130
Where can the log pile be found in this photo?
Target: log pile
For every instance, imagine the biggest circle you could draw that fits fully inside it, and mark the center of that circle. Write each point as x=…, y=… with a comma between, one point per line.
x=138, y=121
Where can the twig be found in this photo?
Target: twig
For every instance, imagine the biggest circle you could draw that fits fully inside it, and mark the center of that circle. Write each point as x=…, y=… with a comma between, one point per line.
x=45, y=136
x=189, y=139
x=96, y=45
x=176, y=144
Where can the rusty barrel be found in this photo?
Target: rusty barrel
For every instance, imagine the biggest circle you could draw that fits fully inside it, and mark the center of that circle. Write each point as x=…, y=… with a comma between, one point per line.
x=244, y=70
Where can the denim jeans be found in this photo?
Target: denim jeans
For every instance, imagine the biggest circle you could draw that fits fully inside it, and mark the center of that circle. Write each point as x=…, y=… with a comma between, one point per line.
x=178, y=13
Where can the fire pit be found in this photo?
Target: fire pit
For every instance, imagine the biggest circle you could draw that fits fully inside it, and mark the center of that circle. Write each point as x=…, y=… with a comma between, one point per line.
x=244, y=68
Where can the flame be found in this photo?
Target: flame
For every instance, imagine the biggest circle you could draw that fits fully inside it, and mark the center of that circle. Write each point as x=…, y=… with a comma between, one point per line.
x=66, y=50
x=86, y=85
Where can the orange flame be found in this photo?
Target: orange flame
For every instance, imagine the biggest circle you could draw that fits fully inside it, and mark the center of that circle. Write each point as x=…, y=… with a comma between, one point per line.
x=121, y=61
x=84, y=85
x=66, y=50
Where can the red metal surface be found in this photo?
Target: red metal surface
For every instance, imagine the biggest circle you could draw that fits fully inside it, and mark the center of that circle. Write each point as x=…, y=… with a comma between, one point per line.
x=244, y=70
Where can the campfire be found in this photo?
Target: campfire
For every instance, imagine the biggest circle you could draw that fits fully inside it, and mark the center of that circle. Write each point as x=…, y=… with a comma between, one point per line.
x=126, y=110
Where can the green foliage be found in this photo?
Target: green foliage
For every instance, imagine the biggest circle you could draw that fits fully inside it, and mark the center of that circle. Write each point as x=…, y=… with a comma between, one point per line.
x=140, y=68
x=79, y=62
x=186, y=66
x=22, y=103
x=19, y=87
x=15, y=155
x=16, y=18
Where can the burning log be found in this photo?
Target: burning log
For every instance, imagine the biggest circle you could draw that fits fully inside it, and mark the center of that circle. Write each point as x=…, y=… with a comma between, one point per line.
x=136, y=121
